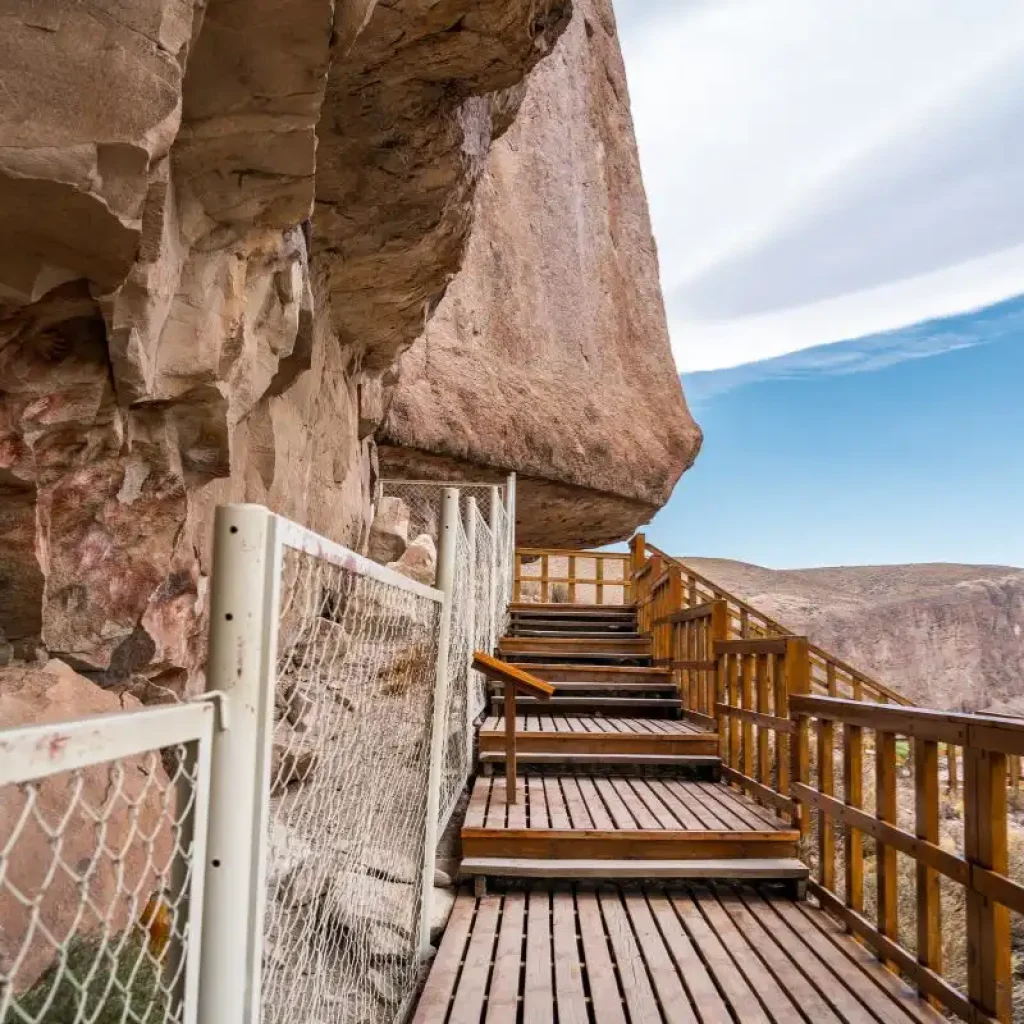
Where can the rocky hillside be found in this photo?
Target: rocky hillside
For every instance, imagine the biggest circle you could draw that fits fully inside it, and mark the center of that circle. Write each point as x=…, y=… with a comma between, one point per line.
x=224, y=221
x=948, y=636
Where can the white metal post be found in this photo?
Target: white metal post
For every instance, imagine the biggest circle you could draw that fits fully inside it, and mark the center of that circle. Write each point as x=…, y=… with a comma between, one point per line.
x=497, y=625
x=245, y=588
x=446, y=584
x=510, y=489
x=471, y=611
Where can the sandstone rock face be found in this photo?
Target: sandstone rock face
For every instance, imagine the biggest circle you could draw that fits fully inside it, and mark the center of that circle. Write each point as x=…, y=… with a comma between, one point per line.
x=175, y=331
x=419, y=560
x=947, y=636
x=97, y=811
x=549, y=354
x=389, y=531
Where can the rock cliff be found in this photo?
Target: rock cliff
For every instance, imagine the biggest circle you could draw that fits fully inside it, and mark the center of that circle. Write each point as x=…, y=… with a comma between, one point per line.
x=549, y=354
x=947, y=636
x=223, y=221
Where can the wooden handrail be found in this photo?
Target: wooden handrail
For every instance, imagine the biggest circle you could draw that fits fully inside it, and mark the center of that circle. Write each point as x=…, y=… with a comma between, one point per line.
x=515, y=680
x=982, y=868
x=603, y=584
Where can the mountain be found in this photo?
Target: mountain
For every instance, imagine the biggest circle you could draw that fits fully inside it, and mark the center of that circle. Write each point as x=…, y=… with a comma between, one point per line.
x=948, y=636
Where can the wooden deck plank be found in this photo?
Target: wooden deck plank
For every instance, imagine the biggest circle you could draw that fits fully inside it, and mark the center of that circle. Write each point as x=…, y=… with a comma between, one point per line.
x=728, y=978
x=655, y=806
x=806, y=955
x=537, y=809
x=440, y=986
x=634, y=802
x=620, y=813
x=641, y=1002
x=538, y=992
x=899, y=1002
x=781, y=1006
x=665, y=976
x=503, y=995
x=467, y=1007
x=497, y=808
x=598, y=812
x=558, y=813
x=605, y=999
x=569, y=995
x=579, y=815
x=781, y=986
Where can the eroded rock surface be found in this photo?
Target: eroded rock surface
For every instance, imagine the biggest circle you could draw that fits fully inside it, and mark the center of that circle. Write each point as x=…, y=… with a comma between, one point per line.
x=175, y=331
x=549, y=354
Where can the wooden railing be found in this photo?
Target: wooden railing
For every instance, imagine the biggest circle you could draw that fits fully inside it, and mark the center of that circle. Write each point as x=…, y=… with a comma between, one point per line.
x=514, y=680
x=755, y=681
x=566, y=576
x=881, y=795
x=829, y=674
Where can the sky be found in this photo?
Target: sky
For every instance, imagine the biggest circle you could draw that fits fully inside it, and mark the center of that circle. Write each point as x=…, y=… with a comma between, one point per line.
x=837, y=193
x=895, y=448
x=820, y=171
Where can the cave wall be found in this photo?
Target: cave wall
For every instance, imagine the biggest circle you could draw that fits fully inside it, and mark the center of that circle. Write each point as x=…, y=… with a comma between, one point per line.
x=549, y=354
x=220, y=222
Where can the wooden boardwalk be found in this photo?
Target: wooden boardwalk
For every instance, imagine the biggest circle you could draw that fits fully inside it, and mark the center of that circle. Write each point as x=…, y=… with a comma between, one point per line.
x=680, y=955
x=627, y=883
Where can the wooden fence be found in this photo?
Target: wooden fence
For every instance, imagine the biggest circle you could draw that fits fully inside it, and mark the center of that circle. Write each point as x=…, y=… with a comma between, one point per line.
x=565, y=576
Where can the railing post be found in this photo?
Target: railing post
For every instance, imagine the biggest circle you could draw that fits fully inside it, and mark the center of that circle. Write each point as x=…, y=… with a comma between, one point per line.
x=497, y=615
x=797, y=674
x=244, y=610
x=446, y=584
x=989, y=958
x=719, y=630
x=511, y=796
x=471, y=627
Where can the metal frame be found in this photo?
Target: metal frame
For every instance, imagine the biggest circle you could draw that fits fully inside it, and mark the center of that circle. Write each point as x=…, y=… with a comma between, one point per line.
x=34, y=752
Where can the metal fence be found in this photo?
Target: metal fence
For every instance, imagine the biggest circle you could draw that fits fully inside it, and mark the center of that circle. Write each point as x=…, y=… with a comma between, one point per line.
x=266, y=853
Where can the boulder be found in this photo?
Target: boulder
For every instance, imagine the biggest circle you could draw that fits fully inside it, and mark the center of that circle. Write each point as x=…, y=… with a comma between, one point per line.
x=419, y=562
x=389, y=531
x=97, y=810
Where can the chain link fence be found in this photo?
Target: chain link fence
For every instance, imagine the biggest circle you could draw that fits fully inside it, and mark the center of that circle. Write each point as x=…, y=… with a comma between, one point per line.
x=272, y=860
x=103, y=824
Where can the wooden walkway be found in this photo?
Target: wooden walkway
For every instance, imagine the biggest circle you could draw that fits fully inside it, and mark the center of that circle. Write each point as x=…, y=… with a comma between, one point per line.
x=682, y=955
x=627, y=883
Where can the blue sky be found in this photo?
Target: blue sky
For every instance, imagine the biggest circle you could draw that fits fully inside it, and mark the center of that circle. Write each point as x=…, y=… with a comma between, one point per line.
x=825, y=171
x=902, y=447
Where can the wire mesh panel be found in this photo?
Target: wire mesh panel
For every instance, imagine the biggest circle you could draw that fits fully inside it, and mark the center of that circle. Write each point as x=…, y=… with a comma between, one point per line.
x=424, y=500
x=102, y=830
x=455, y=761
x=503, y=580
x=484, y=625
x=349, y=778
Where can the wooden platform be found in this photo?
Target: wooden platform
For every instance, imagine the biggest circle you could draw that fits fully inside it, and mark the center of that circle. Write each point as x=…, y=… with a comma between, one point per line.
x=684, y=954
x=536, y=733
x=615, y=817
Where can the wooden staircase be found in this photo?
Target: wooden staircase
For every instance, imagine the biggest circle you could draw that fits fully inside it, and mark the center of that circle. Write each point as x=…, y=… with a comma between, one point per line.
x=617, y=781
x=643, y=861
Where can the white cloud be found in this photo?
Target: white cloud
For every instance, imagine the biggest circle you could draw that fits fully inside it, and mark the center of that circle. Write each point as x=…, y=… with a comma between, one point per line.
x=818, y=170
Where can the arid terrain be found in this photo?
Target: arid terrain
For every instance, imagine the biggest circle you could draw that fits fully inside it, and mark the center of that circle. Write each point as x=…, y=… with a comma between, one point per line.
x=949, y=636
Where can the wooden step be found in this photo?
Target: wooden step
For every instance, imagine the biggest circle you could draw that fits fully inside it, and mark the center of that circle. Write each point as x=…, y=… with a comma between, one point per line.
x=519, y=631
x=572, y=610
x=589, y=704
x=564, y=672
x=574, y=734
x=573, y=817
x=753, y=869
x=707, y=763
x=582, y=658
x=560, y=645
x=601, y=689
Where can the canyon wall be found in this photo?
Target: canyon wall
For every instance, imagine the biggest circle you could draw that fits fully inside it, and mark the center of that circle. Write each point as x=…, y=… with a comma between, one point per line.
x=549, y=354
x=222, y=223
x=946, y=636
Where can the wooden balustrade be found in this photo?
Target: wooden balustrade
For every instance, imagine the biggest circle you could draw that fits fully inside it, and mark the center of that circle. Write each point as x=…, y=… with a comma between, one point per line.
x=589, y=577
x=907, y=783
x=514, y=680
x=755, y=680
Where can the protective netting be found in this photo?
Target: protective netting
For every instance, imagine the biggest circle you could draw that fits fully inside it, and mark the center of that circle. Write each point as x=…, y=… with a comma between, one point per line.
x=503, y=580
x=425, y=498
x=350, y=767
x=485, y=598
x=456, y=760
x=95, y=873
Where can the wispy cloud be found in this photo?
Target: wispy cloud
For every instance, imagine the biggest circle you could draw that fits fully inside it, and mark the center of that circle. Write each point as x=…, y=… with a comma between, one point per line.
x=819, y=171
x=871, y=353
